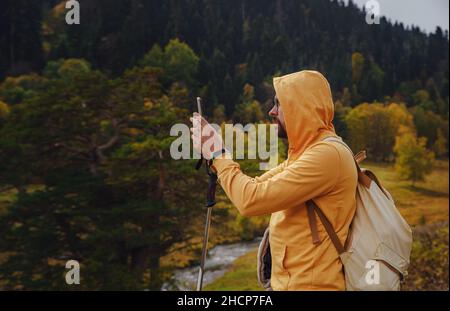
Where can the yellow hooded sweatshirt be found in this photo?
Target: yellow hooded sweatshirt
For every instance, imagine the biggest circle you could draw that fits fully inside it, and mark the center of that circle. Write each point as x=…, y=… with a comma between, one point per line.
x=314, y=169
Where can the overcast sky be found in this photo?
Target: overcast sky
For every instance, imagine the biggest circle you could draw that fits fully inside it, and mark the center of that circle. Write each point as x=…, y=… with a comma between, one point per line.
x=426, y=14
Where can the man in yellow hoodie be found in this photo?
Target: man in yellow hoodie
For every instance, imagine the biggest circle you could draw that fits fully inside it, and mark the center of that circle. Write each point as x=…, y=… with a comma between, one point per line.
x=322, y=171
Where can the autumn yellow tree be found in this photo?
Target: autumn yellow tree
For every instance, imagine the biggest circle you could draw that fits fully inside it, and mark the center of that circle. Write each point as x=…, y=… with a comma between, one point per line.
x=440, y=146
x=413, y=160
x=4, y=110
x=373, y=127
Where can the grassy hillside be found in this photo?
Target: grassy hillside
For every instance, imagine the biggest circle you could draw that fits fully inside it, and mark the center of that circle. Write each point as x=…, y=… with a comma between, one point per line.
x=425, y=202
x=425, y=206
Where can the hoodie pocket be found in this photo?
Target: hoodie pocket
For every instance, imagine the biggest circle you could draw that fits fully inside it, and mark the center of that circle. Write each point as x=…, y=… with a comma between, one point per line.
x=280, y=275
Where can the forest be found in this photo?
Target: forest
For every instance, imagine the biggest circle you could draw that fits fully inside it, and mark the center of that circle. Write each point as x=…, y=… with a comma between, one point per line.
x=86, y=111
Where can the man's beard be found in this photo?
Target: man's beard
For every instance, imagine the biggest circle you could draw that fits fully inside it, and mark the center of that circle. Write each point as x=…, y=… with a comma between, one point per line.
x=281, y=130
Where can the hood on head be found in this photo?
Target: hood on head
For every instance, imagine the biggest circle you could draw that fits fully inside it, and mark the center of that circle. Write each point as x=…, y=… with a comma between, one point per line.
x=308, y=107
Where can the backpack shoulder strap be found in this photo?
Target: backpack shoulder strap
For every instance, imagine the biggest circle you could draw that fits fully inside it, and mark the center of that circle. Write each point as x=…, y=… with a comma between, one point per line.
x=338, y=140
x=360, y=156
x=367, y=177
x=313, y=208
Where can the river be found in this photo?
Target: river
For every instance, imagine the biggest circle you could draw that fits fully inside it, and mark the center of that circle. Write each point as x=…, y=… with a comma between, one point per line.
x=219, y=260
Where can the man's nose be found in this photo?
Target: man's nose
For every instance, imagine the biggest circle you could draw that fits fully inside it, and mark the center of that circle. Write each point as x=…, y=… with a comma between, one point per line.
x=273, y=112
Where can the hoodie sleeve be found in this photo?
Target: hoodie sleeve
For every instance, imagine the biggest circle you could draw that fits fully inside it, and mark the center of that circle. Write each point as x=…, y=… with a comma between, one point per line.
x=270, y=173
x=315, y=173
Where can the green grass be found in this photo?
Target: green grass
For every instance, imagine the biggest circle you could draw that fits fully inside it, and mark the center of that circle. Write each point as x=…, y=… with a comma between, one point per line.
x=426, y=201
x=425, y=204
x=240, y=277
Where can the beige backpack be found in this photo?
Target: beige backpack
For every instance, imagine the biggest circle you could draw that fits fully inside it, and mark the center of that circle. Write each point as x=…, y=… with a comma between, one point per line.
x=377, y=251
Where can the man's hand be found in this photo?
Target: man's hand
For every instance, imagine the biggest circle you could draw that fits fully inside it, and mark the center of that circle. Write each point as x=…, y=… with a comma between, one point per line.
x=205, y=138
